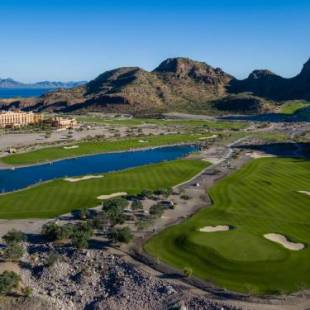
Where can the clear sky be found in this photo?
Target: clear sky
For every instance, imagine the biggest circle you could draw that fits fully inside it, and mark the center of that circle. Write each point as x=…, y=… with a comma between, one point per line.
x=77, y=40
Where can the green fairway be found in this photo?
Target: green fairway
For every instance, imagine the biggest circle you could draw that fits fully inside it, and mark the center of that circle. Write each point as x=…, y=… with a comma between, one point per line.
x=58, y=197
x=260, y=198
x=94, y=147
x=162, y=122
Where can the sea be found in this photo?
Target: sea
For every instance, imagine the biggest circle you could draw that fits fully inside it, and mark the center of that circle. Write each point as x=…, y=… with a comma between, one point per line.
x=22, y=92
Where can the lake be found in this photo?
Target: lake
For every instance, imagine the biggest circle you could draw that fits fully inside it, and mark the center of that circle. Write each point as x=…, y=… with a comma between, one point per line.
x=22, y=92
x=11, y=180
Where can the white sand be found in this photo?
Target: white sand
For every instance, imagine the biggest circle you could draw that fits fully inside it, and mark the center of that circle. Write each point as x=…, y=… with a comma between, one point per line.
x=86, y=177
x=143, y=141
x=71, y=147
x=304, y=192
x=259, y=155
x=205, y=138
x=283, y=241
x=214, y=228
x=103, y=197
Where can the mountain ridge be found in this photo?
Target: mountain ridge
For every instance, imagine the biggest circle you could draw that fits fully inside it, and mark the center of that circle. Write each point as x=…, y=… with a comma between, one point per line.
x=175, y=84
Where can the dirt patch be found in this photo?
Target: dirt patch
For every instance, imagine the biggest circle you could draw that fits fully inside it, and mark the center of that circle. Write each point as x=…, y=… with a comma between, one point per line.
x=9, y=266
x=304, y=192
x=214, y=228
x=284, y=242
x=86, y=177
x=103, y=197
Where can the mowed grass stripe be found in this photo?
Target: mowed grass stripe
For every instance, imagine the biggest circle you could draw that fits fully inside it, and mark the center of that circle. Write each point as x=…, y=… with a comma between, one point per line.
x=260, y=198
x=59, y=196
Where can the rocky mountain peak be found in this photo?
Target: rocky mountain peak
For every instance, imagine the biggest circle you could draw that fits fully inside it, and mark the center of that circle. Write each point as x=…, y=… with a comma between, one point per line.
x=186, y=68
x=259, y=74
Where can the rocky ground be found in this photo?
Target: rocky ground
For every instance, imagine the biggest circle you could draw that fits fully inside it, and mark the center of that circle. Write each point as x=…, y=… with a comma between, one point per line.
x=99, y=279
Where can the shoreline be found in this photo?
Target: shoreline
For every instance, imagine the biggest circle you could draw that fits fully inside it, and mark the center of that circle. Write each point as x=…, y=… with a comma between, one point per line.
x=4, y=166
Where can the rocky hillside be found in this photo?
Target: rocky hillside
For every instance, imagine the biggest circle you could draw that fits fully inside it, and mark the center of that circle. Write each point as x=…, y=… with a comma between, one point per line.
x=176, y=84
x=264, y=83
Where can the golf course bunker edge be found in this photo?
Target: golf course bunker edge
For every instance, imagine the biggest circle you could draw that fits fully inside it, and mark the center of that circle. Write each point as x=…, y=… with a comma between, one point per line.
x=278, y=238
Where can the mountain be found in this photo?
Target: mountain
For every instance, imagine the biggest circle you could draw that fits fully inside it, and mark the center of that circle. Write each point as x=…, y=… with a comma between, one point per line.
x=264, y=83
x=10, y=83
x=176, y=84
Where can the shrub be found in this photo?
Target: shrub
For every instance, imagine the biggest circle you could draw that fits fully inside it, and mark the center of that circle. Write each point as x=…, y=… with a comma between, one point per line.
x=163, y=191
x=146, y=193
x=118, y=202
x=27, y=291
x=121, y=234
x=81, y=234
x=13, y=236
x=13, y=252
x=157, y=210
x=9, y=280
x=83, y=214
x=136, y=204
x=187, y=271
x=185, y=197
x=52, y=258
x=53, y=232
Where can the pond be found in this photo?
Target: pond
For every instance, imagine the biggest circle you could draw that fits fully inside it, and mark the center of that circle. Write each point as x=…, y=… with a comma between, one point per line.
x=19, y=178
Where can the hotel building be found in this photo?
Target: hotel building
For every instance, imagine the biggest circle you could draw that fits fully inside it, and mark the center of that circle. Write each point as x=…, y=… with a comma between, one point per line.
x=19, y=119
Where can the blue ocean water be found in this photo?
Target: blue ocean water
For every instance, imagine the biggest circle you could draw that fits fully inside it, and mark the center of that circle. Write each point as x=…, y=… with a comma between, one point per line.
x=14, y=179
x=22, y=92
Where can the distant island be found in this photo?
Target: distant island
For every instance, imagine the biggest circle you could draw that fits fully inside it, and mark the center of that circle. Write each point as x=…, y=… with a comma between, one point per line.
x=11, y=83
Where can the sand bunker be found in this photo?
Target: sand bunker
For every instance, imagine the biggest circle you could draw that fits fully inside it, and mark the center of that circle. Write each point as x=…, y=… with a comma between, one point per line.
x=86, y=177
x=143, y=141
x=103, y=197
x=205, y=138
x=304, y=192
x=259, y=155
x=71, y=147
x=214, y=228
x=283, y=241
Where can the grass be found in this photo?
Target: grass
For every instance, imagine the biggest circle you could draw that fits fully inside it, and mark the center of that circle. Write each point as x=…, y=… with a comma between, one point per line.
x=162, y=122
x=94, y=147
x=260, y=198
x=58, y=197
x=292, y=107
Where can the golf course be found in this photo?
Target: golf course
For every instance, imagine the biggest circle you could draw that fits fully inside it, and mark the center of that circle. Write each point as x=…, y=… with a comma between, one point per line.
x=227, y=243
x=95, y=147
x=58, y=197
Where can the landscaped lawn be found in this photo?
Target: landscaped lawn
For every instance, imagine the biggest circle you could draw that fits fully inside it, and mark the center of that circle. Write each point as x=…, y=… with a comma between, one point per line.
x=293, y=107
x=93, y=147
x=58, y=197
x=260, y=198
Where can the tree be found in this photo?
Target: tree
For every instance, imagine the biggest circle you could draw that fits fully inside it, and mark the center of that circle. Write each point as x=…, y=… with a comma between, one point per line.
x=13, y=252
x=53, y=232
x=163, y=191
x=13, y=236
x=121, y=234
x=83, y=214
x=9, y=280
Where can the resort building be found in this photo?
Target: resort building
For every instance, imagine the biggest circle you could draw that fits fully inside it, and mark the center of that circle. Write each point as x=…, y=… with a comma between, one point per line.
x=19, y=119
x=60, y=122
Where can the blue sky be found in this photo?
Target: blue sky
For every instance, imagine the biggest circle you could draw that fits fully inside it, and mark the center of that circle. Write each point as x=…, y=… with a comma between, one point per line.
x=77, y=40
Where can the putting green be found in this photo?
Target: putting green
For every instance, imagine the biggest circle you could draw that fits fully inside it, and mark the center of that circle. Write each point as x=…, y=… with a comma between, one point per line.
x=94, y=147
x=260, y=198
x=58, y=197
